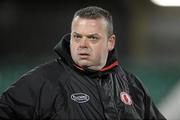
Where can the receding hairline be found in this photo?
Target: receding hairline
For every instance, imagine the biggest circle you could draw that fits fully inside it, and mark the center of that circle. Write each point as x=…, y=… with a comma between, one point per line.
x=104, y=21
x=98, y=18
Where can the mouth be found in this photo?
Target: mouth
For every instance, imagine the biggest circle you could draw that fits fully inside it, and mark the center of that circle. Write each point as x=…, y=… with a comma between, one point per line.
x=84, y=55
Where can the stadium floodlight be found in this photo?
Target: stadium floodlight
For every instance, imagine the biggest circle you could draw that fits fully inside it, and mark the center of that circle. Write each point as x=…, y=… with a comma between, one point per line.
x=167, y=3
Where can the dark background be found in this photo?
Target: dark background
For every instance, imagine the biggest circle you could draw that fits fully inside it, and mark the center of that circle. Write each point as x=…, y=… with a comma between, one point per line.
x=32, y=28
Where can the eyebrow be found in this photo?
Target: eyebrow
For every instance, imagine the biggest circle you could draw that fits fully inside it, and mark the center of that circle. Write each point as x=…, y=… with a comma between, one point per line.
x=76, y=33
x=93, y=34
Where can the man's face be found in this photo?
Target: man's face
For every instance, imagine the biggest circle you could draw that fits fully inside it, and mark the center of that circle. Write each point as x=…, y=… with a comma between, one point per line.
x=90, y=44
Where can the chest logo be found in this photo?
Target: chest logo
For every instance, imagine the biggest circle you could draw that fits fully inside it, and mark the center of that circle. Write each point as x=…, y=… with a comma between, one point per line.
x=80, y=97
x=125, y=98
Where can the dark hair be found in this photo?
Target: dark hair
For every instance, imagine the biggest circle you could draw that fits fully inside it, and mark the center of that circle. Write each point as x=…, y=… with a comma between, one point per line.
x=94, y=12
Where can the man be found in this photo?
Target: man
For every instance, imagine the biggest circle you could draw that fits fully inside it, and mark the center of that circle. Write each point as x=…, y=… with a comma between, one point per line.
x=85, y=82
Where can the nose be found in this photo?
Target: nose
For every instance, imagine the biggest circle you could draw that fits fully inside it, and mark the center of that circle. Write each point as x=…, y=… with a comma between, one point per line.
x=83, y=42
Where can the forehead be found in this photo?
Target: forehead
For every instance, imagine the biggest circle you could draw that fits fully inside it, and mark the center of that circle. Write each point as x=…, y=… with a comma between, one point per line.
x=89, y=26
x=78, y=21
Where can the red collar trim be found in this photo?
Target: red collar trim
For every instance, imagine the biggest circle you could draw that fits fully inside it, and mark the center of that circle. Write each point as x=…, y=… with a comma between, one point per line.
x=110, y=66
x=103, y=69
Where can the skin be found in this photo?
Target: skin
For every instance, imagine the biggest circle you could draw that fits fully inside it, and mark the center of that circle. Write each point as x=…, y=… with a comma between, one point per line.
x=90, y=43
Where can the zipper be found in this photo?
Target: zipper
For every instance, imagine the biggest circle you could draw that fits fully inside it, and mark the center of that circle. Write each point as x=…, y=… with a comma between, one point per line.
x=98, y=84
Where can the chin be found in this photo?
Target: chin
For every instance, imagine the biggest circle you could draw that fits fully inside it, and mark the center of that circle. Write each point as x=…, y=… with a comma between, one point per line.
x=83, y=64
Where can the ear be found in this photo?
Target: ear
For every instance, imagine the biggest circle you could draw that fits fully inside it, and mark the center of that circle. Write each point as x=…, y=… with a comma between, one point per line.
x=111, y=42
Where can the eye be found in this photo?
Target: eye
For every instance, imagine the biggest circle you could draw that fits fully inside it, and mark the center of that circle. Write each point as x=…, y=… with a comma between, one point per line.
x=93, y=38
x=76, y=36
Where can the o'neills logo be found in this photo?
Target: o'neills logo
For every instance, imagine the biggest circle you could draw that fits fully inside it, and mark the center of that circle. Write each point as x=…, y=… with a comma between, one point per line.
x=125, y=98
x=80, y=97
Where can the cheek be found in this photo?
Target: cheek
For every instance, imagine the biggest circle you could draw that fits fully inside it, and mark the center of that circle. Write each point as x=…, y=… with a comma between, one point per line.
x=73, y=46
x=100, y=51
x=73, y=50
x=102, y=47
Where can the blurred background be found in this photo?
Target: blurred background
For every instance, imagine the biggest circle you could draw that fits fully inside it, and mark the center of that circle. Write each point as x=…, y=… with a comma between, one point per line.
x=148, y=41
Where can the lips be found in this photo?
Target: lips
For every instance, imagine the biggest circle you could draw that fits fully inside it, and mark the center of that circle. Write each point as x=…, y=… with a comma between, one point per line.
x=84, y=55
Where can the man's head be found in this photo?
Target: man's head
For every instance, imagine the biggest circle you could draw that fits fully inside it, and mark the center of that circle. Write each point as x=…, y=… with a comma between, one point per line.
x=91, y=37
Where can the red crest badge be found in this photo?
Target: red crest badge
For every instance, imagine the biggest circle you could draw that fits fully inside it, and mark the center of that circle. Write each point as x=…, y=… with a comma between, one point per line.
x=125, y=98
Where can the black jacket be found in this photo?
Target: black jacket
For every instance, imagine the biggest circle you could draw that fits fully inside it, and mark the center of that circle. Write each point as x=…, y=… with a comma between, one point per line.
x=61, y=90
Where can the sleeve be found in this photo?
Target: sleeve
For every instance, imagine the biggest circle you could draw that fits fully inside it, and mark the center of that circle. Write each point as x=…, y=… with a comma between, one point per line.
x=151, y=111
x=18, y=101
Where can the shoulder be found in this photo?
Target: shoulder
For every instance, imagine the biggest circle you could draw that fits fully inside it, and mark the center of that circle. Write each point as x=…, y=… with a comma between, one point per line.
x=43, y=69
x=136, y=85
x=134, y=82
x=50, y=70
x=133, y=79
x=38, y=76
x=43, y=76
